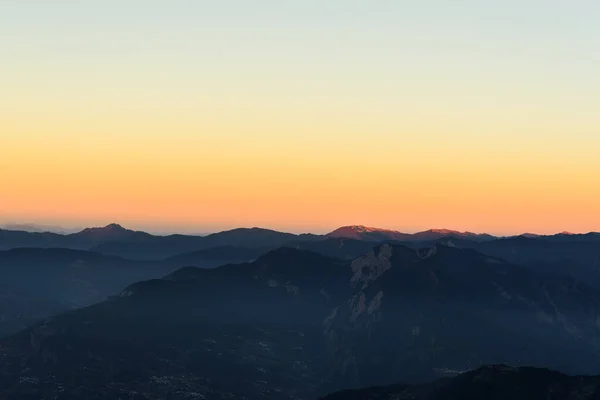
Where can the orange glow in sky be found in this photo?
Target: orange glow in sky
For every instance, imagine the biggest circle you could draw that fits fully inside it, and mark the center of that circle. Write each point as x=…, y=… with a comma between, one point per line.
x=302, y=119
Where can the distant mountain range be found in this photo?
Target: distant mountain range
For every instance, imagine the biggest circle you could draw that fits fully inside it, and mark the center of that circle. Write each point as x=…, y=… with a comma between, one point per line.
x=115, y=240
x=257, y=313
x=570, y=255
x=297, y=324
x=38, y=228
x=360, y=232
x=578, y=259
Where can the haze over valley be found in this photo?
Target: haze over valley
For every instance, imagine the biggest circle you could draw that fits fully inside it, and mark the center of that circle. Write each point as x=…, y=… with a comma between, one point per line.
x=299, y=200
x=293, y=315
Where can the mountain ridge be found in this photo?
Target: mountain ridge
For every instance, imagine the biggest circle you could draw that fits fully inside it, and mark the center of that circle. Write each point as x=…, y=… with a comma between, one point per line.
x=114, y=239
x=362, y=232
x=308, y=324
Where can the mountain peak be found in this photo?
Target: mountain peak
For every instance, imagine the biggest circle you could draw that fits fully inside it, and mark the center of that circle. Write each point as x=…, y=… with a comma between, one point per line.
x=360, y=228
x=435, y=234
x=444, y=231
x=110, y=229
x=363, y=232
x=530, y=235
x=113, y=226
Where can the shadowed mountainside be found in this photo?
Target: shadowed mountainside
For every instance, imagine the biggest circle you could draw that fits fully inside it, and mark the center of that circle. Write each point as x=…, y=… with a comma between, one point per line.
x=115, y=240
x=294, y=323
x=37, y=283
x=554, y=255
x=497, y=382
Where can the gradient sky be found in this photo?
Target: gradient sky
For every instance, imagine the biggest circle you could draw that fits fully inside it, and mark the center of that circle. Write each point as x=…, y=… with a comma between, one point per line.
x=301, y=115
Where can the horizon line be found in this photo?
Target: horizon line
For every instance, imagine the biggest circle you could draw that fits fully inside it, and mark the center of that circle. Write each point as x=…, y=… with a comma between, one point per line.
x=64, y=230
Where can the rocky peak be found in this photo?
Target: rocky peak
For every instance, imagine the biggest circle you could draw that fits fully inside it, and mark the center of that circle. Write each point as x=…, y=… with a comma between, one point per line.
x=110, y=229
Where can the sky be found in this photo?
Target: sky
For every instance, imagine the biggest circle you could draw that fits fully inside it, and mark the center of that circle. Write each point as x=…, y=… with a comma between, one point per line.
x=301, y=115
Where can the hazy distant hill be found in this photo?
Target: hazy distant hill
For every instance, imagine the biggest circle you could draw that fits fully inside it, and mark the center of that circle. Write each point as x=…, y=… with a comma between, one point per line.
x=83, y=240
x=116, y=240
x=36, y=283
x=360, y=232
x=215, y=256
x=294, y=323
x=434, y=234
x=159, y=247
x=38, y=228
x=113, y=239
x=577, y=256
x=574, y=237
x=340, y=248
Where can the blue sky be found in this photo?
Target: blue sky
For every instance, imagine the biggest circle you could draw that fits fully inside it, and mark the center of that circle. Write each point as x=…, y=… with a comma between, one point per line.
x=455, y=90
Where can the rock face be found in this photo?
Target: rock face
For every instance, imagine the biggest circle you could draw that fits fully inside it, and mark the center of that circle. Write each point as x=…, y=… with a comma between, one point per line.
x=491, y=382
x=368, y=268
x=296, y=324
x=413, y=312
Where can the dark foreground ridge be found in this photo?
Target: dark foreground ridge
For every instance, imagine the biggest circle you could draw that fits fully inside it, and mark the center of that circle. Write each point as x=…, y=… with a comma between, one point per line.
x=497, y=382
x=297, y=324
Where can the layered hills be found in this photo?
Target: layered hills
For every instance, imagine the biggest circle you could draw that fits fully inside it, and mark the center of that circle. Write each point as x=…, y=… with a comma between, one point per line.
x=251, y=313
x=294, y=323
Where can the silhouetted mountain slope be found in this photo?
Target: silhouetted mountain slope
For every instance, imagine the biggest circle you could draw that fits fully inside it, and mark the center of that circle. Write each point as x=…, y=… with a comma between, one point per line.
x=414, y=311
x=360, y=232
x=21, y=307
x=215, y=256
x=340, y=248
x=284, y=286
x=116, y=240
x=169, y=246
x=523, y=250
x=574, y=237
x=254, y=237
x=297, y=324
x=490, y=383
x=239, y=330
x=14, y=239
x=434, y=234
x=40, y=282
x=156, y=248
x=113, y=239
x=37, y=228
x=579, y=259
x=113, y=232
x=83, y=240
